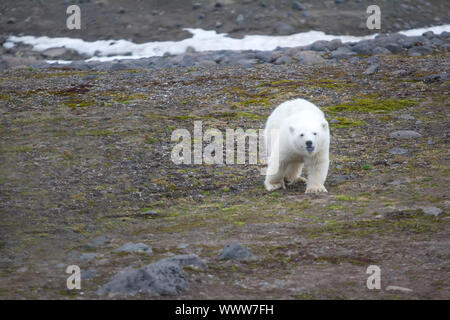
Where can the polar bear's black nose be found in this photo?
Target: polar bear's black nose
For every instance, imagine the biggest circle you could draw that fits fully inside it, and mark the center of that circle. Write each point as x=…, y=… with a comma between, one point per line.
x=309, y=143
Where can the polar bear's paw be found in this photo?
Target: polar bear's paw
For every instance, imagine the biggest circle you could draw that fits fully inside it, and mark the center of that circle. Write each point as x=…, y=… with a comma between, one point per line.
x=298, y=179
x=315, y=189
x=274, y=186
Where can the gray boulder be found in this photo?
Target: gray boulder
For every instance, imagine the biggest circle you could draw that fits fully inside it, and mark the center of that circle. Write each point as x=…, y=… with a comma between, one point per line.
x=160, y=278
x=235, y=251
x=419, y=51
x=342, y=53
x=283, y=28
x=309, y=58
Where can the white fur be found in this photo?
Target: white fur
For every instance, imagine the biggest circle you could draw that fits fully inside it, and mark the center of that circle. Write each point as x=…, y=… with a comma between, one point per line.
x=293, y=119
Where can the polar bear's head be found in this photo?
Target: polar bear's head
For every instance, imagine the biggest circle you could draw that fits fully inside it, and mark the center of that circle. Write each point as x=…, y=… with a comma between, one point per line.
x=308, y=138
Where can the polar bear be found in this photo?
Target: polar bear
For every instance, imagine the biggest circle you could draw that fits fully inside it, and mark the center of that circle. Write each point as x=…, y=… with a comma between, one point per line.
x=299, y=131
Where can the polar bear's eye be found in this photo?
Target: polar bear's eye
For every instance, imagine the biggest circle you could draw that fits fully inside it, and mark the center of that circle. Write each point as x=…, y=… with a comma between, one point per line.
x=315, y=133
x=302, y=135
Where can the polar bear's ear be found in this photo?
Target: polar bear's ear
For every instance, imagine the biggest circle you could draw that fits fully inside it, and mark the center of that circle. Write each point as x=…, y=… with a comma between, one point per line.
x=325, y=125
x=291, y=129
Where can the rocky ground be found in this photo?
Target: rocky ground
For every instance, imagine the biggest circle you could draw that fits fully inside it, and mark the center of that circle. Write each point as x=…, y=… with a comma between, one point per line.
x=86, y=179
x=160, y=20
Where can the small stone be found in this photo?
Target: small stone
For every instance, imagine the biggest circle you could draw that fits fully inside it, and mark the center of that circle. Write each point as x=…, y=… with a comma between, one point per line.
x=11, y=20
x=196, y=5
x=135, y=247
x=405, y=134
x=430, y=141
x=407, y=117
x=433, y=211
x=396, y=288
x=239, y=19
x=121, y=10
x=398, y=151
x=235, y=251
x=334, y=121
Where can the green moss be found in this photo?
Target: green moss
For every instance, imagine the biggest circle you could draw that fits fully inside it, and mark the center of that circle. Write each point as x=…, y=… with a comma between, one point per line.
x=95, y=132
x=345, y=123
x=372, y=105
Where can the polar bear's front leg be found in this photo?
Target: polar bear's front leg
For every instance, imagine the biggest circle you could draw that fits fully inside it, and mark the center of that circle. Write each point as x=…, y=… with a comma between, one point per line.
x=275, y=176
x=317, y=173
x=293, y=173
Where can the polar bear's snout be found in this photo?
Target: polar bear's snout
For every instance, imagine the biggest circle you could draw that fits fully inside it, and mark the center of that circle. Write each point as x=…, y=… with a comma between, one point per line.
x=309, y=146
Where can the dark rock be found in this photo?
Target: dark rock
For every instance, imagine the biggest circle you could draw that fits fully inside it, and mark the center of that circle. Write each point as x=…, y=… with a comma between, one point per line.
x=394, y=48
x=196, y=5
x=235, y=251
x=160, y=278
x=283, y=28
x=283, y=60
x=381, y=50
x=419, y=51
x=404, y=134
x=443, y=76
x=342, y=53
x=320, y=45
x=364, y=47
x=266, y=56
x=409, y=42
